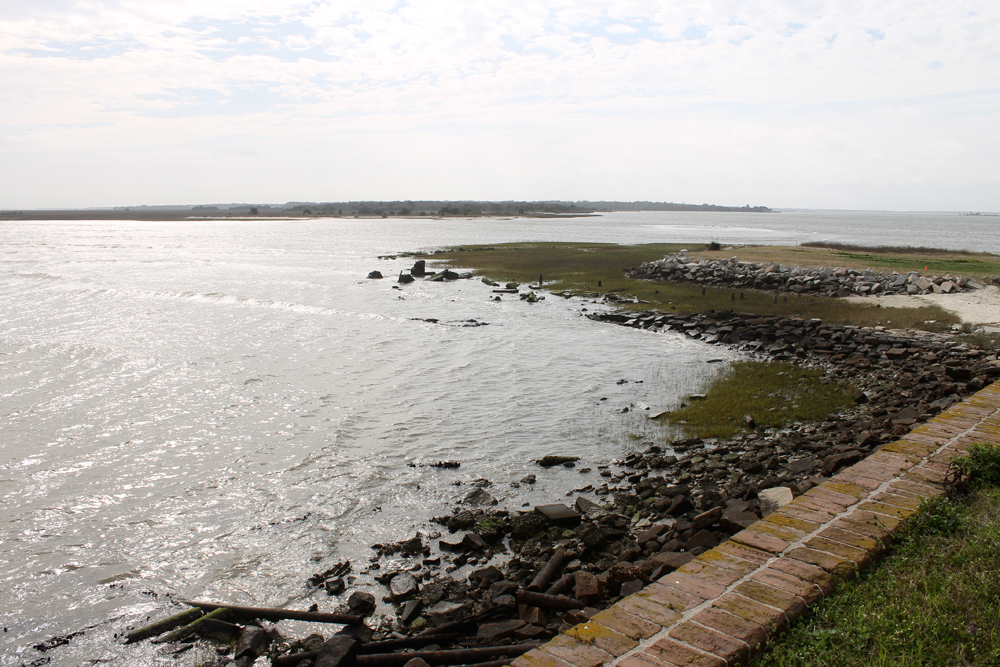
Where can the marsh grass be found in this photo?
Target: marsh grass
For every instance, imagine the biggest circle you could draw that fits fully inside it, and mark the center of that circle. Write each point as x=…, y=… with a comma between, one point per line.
x=932, y=601
x=599, y=268
x=775, y=394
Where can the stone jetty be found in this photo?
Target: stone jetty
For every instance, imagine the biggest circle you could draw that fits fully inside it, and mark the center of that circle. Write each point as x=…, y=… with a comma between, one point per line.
x=732, y=273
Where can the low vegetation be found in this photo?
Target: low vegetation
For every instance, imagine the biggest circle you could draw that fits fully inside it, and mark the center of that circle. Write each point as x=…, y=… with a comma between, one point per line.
x=599, y=268
x=932, y=601
x=773, y=394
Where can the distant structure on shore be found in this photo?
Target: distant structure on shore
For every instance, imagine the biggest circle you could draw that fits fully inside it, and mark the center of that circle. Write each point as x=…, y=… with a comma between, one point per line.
x=369, y=209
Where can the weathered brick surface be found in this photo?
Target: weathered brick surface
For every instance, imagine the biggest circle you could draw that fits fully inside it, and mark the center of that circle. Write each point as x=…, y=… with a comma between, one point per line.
x=729, y=649
x=575, y=652
x=719, y=608
x=738, y=628
x=602, y=637
x=628, y=624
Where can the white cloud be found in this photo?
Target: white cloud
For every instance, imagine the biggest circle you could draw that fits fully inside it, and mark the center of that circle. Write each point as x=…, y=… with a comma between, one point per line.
x=785, y=103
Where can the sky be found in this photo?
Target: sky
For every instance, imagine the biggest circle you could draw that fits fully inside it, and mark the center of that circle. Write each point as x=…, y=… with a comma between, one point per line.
x=853, y=104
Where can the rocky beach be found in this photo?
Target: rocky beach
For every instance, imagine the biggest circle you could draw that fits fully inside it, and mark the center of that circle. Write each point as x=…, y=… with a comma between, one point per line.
x=493, y=581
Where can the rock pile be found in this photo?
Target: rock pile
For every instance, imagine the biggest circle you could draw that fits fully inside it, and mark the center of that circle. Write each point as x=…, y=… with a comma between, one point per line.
x=838, y=281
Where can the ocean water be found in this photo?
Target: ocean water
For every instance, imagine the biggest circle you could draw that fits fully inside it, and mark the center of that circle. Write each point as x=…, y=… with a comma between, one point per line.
x=219, y=409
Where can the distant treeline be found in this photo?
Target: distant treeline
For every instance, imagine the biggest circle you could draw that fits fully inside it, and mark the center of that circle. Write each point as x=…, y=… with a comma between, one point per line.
x=370, y=208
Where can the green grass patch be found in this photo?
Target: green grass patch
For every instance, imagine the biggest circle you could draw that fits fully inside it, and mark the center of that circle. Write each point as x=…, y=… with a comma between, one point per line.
x=934, y=600
x=600, y=267
x=775, y=394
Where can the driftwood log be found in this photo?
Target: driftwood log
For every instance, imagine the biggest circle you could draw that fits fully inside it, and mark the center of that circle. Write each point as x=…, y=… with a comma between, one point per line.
x=279, y=614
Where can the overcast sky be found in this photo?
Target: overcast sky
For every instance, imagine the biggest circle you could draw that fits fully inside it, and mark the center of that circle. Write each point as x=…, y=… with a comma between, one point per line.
x=787, y=103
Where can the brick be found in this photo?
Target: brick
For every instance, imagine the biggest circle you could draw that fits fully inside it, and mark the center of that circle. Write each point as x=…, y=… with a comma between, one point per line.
x=538, y=658
x=924, y=477
x=941, y=468
x=602, y=637
x=643, y=659
x=845, y=488
x=761, y=541
x=726, y=561
x=772, y=620
x=897, y=500
x=710, y=641
x=649, y=610
x=859, y=557
x=692, y=585
x=781, y=519
x=738, y=628
x=792, y=605
x=859, y=480
x=868, y=544
x=922, y=490
x=670, y=597
x=742, y=551
x=841, y=567
x=806, y=572
x=625, y=623
x=831, y=496
x=710, y=573
x=888, y=510
x=774, y=529
x=807, y=514
x=575, y=652
x=817, y=504
x=674, y=654
x=905, y=494
x=809, y=592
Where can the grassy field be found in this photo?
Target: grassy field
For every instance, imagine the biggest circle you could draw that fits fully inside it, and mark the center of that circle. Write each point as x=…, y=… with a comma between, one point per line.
x=599, y=267
x=933, y=601
x=774, y=394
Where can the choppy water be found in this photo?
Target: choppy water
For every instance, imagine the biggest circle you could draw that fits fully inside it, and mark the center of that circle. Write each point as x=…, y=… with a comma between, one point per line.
x=222, y=408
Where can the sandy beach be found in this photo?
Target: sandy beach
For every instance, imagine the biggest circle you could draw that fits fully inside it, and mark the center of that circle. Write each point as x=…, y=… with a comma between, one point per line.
x=980, y=307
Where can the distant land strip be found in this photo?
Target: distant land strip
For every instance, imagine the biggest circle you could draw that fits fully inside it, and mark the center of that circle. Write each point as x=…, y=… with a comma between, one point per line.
x=367, y=209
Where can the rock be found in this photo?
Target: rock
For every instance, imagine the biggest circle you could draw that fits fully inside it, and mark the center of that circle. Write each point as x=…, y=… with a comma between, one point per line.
x=834, y=463
x=221, y=631
x=403, y=585
x=772, y=499
x=527, y=525
x=453, y=610
x=749, y=421
x=733, y=521
x=375, y=275
x=585, y=506
x=416, y=662
x=473, y=542
x=631, y=587
x=651, y=533
x=253, y=641
x=485, y=576
x=405, y=278
x=559, y=515
x=702, y=538
x=448, y=274
x=409, y=611
x=556, y=460
x=362, y=604
x=479, y=497
x=337, y=650
x=528, y=479
x=587, y=588
x=419, y=269
x=707, y=518
x=499, y=630
x=860, y=397
x=335, y=586
x=671, y=559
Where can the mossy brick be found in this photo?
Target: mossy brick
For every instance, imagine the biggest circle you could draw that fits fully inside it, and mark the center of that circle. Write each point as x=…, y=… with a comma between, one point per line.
x=675, y=654
x=888, y=510
x=858, y=479
x=806, y=514
x=845, y=488
x=890, y=498
x=906, y=494
x=642, y=659
x=777, y=530
x=692, y=585
x=898, y=459
x=772, y=620
x=859, y=557
x=806, y=572
x=726, y=561
x=872, y=546
x=792, y=605
x=840, y=567
x=888, y=522
x=759, y=540
x=831, y=496
x=779, y=518
x=817, y=504
x=743, y=552
x=729, y=649
x=670, y=597
x=924, y=477
x=941, y=468
x=917, y=450
x=733, y=626
x=538, y=658
x=575, y=652
x=602, y=637
x=649, y=610
x=808, y=591
x=629, y=625
x=716, y=575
